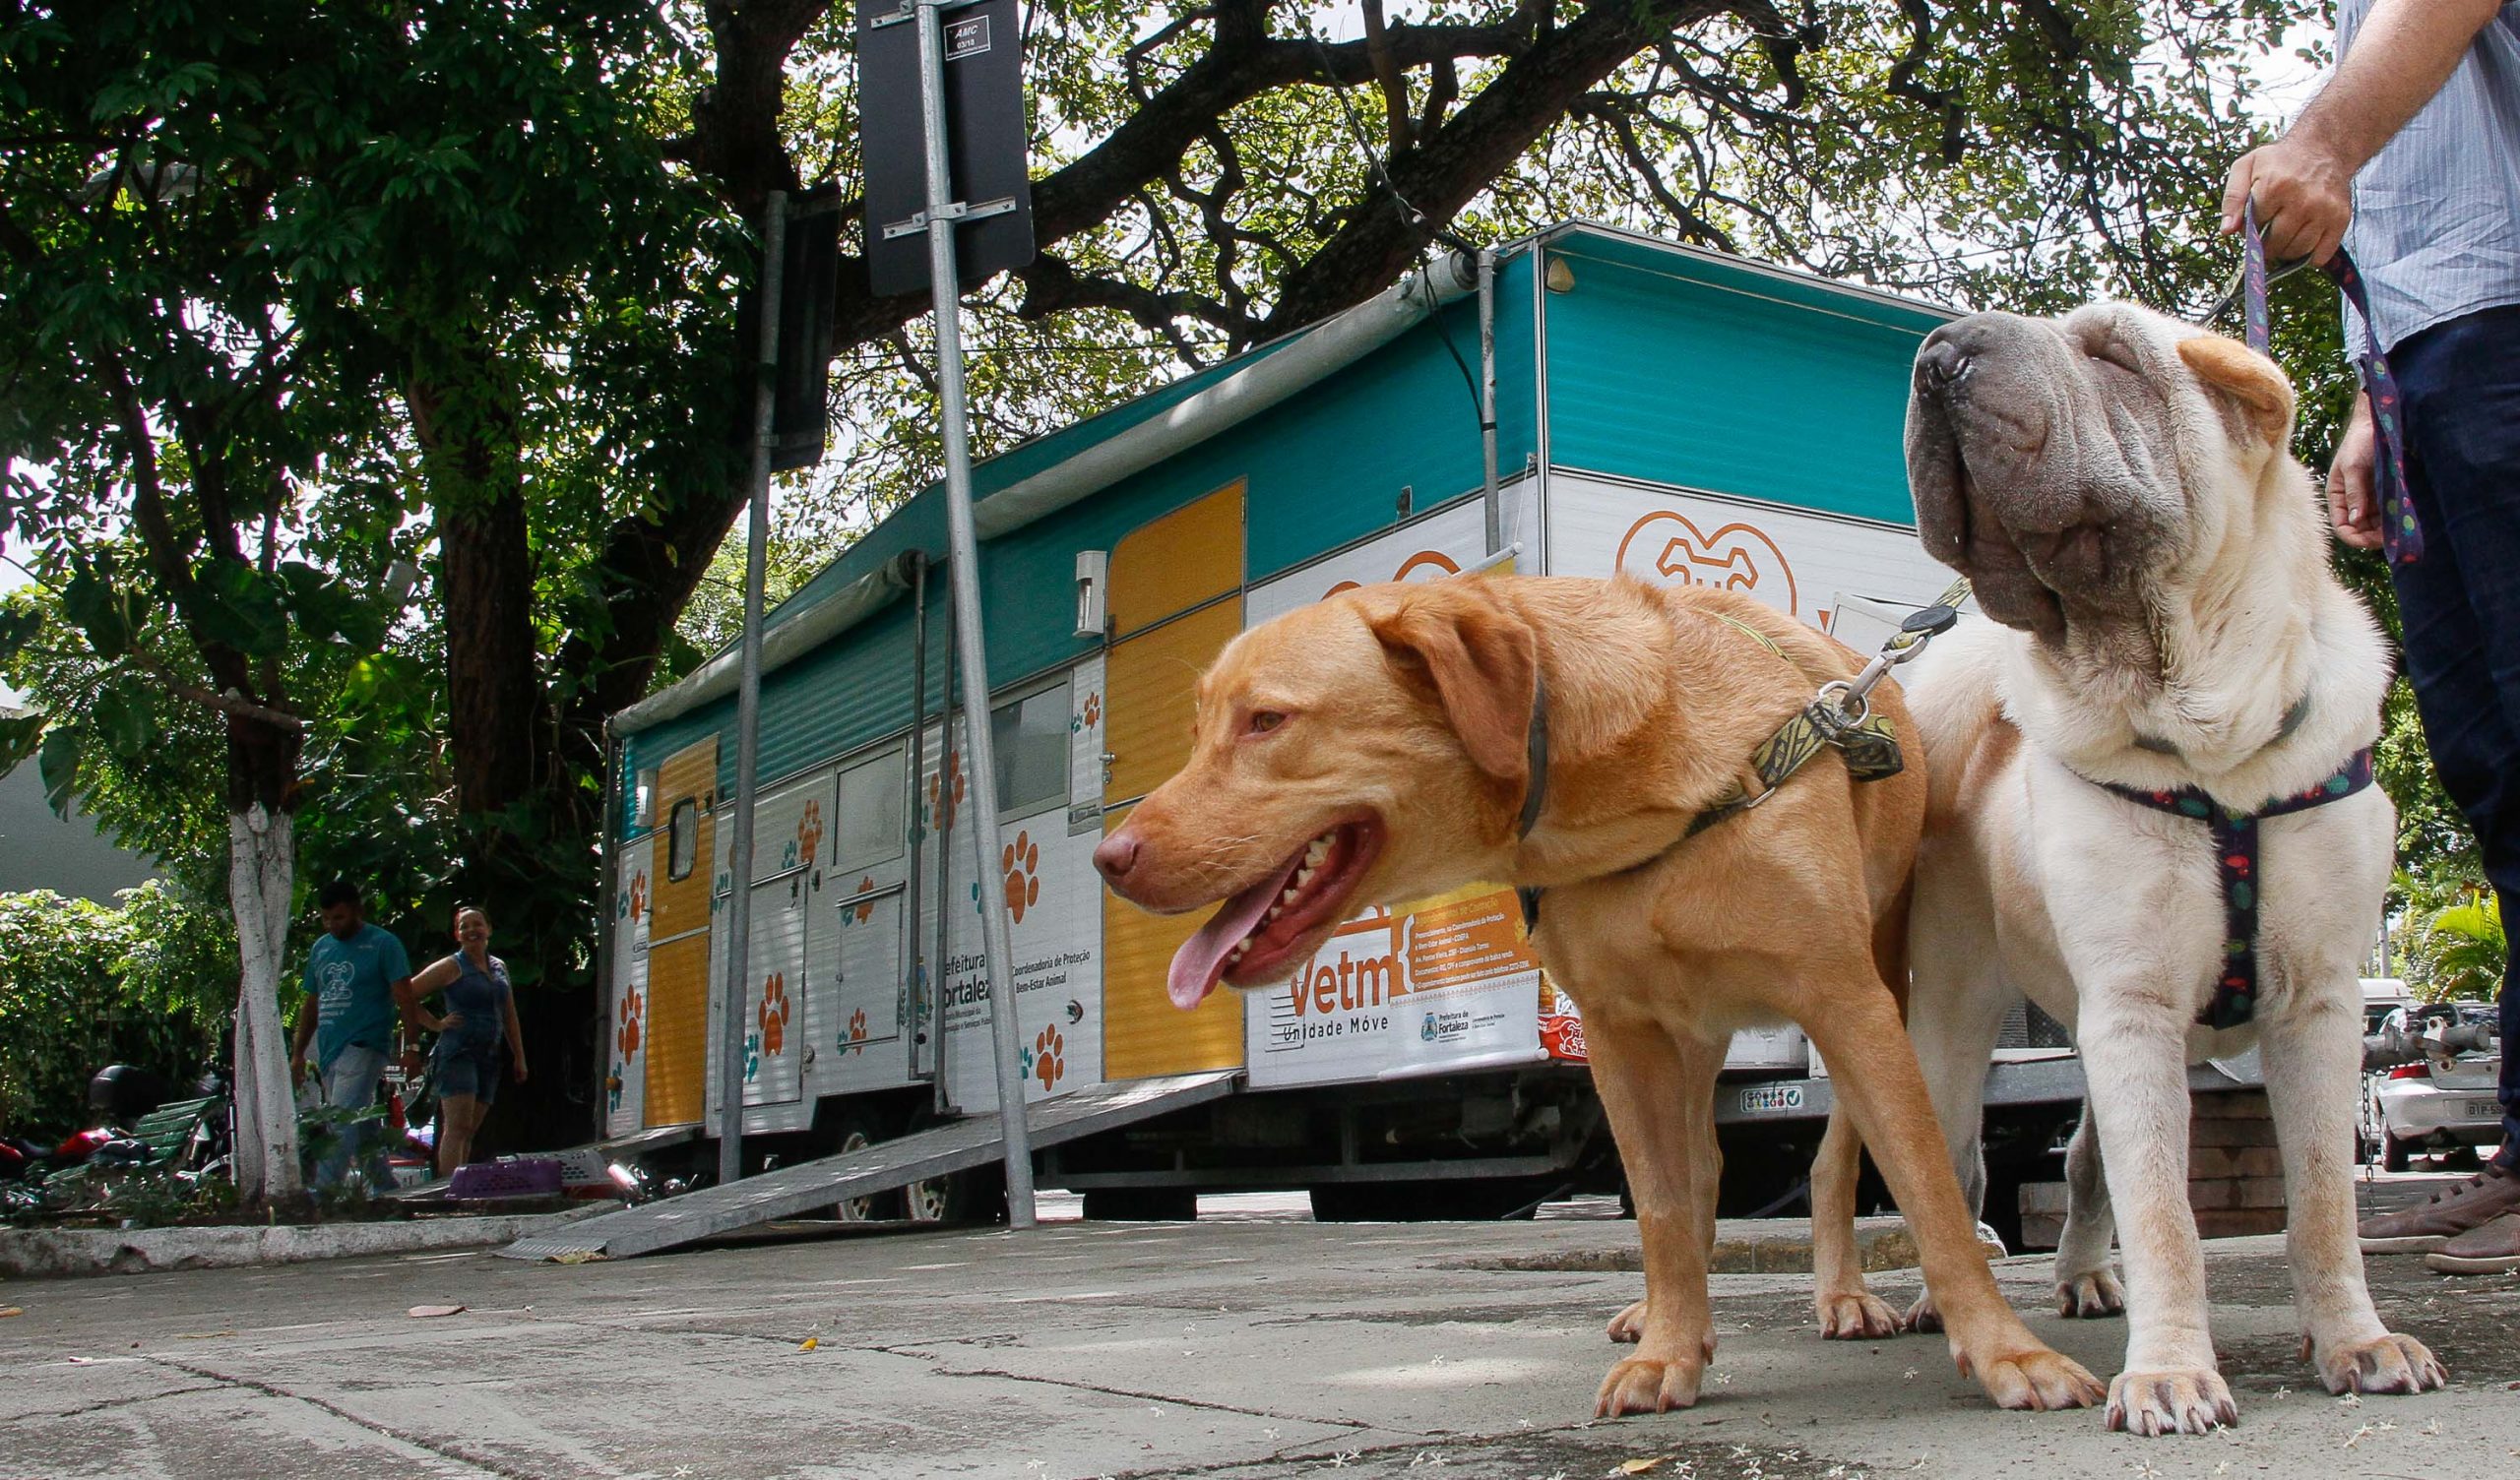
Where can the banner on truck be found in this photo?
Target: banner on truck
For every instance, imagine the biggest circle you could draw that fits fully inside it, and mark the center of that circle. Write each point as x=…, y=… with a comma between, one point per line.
x=1045, y=872
x=1800, y=562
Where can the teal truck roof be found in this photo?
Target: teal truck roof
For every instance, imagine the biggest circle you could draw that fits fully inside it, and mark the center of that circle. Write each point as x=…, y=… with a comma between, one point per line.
x=1664, y=364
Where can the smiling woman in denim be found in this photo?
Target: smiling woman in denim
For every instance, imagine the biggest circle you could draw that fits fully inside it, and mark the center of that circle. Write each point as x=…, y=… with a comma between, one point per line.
x=479, y=1020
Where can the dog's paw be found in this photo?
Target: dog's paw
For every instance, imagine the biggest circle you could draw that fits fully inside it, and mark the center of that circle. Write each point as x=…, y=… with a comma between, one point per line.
x=1853, y=1315
x=1923, y=1315
x=2190, y=1401
x=2036, y=1379
x=1642, y=1385
x=2090, y=1297
x=1628, y=1326
x=2387, y=1364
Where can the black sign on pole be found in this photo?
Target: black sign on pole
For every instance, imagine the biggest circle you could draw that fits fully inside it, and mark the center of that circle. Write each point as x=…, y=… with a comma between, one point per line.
x=799, y=420
x=985, y=124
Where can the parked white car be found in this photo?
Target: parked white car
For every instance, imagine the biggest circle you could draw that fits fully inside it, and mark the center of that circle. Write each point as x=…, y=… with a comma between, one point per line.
x=2440, y=1104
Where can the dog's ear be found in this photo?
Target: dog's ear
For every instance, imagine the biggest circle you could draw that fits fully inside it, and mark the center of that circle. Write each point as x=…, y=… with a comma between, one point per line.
x=2249, y=378
x=1484, y=663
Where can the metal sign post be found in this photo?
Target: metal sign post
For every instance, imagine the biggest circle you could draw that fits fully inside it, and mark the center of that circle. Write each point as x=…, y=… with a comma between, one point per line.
x=731, y=1059
x=973, y=42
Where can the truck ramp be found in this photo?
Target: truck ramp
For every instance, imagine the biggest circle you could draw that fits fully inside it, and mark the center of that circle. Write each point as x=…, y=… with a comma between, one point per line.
x=791, y=1189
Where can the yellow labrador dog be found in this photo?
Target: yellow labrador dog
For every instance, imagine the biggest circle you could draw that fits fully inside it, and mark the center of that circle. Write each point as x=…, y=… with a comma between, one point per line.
x=1379, y=747
x=2164, y=730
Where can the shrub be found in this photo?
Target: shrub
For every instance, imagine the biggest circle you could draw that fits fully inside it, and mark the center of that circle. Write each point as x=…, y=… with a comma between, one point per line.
x=83, y=985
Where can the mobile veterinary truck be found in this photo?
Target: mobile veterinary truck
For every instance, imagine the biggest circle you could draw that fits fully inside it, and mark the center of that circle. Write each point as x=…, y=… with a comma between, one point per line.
x=1676, y=415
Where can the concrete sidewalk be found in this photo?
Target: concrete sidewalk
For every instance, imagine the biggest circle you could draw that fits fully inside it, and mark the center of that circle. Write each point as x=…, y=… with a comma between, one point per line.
x=1222, y=1348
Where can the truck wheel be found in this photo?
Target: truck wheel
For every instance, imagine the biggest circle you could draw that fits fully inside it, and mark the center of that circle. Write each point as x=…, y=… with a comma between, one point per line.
x=2393, y=1153
x=857, y=1132
x=1141, y=1205
x=976, y=1195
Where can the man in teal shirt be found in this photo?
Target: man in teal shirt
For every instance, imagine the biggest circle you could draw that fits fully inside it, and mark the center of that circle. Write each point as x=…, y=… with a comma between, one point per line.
x=356, y=978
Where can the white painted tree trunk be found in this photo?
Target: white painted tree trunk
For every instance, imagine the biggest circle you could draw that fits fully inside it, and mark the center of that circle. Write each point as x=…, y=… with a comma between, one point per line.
x=261, y=860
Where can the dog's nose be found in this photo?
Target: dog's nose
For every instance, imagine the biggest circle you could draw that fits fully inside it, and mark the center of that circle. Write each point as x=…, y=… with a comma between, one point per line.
x=1939, y=362
x=1116, y=855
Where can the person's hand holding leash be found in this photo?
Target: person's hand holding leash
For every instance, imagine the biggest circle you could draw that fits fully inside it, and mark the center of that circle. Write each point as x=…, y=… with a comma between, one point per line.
x=2351, y=508
x=2304, y=182
x=2304, y=196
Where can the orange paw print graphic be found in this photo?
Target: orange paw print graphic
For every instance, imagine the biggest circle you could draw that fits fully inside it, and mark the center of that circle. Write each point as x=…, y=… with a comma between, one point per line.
x=1022, y=861
x=949, y=774
x=809, y=834
x=638, y=896
x=857, y=1039
x=1092, y=710
x=631, y=1008
x=864, y=910
x=773, y=1012
x=1049, y=1056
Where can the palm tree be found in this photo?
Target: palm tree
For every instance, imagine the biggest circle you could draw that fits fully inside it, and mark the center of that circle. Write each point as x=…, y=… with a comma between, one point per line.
x=2462, y=951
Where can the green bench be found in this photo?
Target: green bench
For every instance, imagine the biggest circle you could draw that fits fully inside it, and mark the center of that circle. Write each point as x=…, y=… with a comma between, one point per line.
x=169, y=1129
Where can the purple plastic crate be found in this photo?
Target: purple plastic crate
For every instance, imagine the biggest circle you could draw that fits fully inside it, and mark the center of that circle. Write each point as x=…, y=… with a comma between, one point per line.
x=523, y=1176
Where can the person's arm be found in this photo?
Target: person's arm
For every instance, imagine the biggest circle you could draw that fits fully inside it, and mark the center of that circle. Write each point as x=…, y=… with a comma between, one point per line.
x=2351, y=508
x=2304, y=182
x=407, y=1006
x=430, y=979
x=515, y=1038
x=308, y=1010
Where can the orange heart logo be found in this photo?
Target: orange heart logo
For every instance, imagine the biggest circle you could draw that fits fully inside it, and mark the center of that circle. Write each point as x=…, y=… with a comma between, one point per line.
x=1664, y=549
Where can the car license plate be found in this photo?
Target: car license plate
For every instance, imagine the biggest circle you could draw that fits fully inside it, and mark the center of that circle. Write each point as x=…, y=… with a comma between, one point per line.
x=2485, y=1110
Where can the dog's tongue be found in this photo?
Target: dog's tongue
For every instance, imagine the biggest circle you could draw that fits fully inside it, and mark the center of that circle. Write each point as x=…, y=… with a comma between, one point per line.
x=1201, y=958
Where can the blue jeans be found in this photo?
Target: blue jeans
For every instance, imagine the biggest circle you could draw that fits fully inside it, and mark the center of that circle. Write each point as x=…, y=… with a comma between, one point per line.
x=2460, y=602
x=350, y=1083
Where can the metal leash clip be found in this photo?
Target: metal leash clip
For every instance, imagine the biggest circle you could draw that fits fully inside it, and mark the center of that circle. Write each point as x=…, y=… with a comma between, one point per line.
x=1848, y=698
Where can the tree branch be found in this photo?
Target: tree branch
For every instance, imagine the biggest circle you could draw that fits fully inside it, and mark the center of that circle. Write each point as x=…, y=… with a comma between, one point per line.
x=1452, y=164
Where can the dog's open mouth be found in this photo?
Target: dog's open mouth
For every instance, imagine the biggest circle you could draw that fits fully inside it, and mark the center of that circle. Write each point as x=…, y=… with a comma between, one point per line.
x=1255, y=935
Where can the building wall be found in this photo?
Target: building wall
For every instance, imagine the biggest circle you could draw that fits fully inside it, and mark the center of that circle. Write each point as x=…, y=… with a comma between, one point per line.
x=39, y=851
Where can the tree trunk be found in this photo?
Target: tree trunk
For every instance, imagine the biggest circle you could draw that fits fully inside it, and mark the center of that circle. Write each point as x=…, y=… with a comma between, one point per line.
x=495, y=708
x=520, y=802
x=260, y=868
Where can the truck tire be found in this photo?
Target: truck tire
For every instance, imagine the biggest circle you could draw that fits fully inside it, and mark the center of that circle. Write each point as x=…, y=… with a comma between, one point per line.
x=855, y=1131
x=1141, y=1205
x=976, y=1196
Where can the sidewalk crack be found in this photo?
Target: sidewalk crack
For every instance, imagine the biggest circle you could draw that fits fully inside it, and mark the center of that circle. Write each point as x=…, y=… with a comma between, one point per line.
x=1134, y=1396
x=457, y=1456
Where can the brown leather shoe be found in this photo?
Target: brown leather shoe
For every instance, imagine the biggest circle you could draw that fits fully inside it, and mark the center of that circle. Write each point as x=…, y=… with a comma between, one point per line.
x=2452, y=1211
x=2489, y=1249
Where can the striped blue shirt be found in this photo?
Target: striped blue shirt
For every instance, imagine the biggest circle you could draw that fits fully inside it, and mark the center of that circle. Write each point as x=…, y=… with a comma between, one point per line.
x=2436, y=213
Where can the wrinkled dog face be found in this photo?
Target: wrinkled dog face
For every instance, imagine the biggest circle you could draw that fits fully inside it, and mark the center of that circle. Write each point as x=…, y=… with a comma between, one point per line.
x=2072, y=467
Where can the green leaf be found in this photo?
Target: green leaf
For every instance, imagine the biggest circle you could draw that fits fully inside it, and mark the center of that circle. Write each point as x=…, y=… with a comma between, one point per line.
x=325, y=607
x=58, y=761
x=241, y=607
x=18, y=737
x=124, y=723
x=100, y=612
x=19, y=626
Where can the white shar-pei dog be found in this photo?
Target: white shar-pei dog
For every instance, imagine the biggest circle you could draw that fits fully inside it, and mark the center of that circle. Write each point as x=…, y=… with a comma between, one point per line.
x=2166, y=631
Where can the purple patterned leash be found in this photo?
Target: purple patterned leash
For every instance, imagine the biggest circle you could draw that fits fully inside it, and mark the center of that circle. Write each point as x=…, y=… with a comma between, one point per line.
x=2400, y=534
